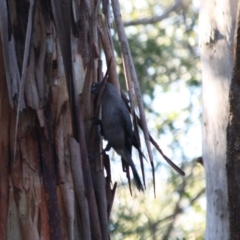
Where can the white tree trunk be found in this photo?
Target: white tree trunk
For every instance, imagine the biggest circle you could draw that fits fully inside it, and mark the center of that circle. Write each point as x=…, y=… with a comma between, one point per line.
x=217, y=27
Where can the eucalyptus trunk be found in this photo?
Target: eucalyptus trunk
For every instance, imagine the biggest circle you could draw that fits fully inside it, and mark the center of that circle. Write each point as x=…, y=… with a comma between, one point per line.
x=49, y=57
x=217, y=27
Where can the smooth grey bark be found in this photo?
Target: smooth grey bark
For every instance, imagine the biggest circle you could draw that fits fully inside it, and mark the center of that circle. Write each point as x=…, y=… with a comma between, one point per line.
x=217, y=28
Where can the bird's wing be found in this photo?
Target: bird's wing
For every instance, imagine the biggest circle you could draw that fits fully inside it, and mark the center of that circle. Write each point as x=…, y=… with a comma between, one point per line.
x=127, y=125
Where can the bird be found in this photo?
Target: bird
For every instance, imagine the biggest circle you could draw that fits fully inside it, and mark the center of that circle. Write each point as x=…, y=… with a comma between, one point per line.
x=117, y=126
x=135, y=141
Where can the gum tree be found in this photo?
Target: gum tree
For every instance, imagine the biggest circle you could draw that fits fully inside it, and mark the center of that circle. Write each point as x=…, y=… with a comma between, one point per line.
x=217, y=28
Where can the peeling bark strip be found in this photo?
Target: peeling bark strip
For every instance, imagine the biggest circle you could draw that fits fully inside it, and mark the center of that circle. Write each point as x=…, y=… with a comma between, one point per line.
x=233, y=143
x=4, y=151
x=80, y=188
x=63, y=25
x=49, y=178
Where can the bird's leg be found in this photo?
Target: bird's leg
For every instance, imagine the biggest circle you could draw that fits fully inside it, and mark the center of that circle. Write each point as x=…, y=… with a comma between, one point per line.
x=106, y=149
x=97, y=121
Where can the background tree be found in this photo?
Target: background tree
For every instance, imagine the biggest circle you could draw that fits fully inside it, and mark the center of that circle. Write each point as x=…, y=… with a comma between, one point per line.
x=217, y=27
x=233, y=142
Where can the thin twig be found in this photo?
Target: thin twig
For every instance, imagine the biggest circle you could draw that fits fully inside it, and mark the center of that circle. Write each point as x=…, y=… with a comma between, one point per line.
x=174, y=8
x=173, y=165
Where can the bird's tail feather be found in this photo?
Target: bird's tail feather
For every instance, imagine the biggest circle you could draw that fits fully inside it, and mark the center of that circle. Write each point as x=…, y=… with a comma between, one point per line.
x=137, y=179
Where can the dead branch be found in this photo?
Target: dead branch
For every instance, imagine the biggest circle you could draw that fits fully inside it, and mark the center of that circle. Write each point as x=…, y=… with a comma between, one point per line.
x=169, y=161
x=174, y=8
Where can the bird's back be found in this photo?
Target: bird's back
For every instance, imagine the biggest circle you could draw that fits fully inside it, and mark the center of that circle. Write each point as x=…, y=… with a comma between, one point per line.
x=115, y=117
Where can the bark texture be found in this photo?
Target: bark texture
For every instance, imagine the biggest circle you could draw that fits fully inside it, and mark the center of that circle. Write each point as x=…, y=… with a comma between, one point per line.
x=217, y=27
x=233, y=146
x=49, y=57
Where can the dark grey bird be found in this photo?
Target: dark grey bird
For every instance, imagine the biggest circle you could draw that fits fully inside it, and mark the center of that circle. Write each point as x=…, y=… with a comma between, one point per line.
x=117, y=126
x=135, y=142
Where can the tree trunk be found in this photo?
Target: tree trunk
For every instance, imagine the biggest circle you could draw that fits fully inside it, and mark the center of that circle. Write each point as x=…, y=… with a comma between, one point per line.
x=49, y=56
x=233, y=146
x=217, y=28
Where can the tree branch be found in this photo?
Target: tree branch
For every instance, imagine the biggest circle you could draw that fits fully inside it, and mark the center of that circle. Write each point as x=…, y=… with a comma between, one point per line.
x=178, y=5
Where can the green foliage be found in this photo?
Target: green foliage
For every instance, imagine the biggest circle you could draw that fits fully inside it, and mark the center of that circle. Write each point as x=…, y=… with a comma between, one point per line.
x=165, y=52
x=175, y=210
